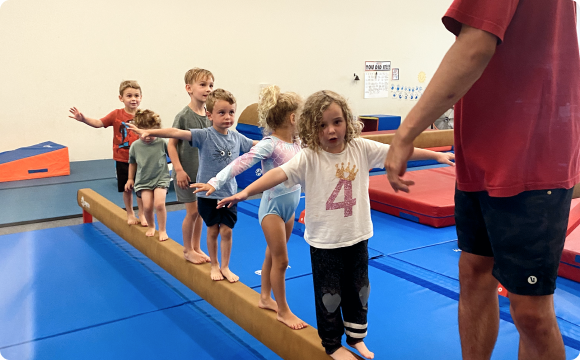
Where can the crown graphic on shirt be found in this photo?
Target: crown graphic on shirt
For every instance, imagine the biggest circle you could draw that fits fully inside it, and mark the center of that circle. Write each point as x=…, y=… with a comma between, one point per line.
x=340, y=172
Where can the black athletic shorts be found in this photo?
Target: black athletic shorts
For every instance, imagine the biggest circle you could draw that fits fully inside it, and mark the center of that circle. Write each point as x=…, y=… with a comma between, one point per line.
x=211, y=216
x=122, y=175
x=524, y=234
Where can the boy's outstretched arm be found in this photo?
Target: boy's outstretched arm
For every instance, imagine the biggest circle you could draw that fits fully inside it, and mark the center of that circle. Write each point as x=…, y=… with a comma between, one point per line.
x=78, y=116
x=267, y=181
x=171, y=133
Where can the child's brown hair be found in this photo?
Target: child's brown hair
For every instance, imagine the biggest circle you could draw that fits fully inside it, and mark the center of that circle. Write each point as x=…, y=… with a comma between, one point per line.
x=129, y=84
x=219, y=94
x=195, y=74
x=309, y=122
x=274, y=107
x=147, y=119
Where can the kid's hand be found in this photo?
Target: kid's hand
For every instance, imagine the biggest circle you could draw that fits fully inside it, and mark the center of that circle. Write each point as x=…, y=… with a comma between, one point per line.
x=232, y=200
x=77, y=115
x=142, y=133
x=129, y=185
x=182, y=179
x=445, y=158
x=203, y=187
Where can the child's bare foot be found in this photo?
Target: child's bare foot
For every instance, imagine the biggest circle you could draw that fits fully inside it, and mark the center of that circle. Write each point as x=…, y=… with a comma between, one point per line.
x=342, y=354
x=268, y=304
x=143, y=221
x=132, y=220
x=163, y=235
x=204, y=255
x=194, y=257
x=150, y=232
x=230, y=275
x=292, y=321
x=216, y=274
x=362, y=349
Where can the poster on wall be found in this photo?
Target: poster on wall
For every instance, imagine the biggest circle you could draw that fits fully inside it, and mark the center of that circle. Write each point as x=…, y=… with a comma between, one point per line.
x=377, y=79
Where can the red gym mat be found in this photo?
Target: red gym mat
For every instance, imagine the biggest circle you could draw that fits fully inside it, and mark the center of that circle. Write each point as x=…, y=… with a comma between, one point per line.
x=430, y=202
x=570, y=261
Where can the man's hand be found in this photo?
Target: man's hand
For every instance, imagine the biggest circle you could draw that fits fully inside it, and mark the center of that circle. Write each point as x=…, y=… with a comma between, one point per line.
x=396, y=164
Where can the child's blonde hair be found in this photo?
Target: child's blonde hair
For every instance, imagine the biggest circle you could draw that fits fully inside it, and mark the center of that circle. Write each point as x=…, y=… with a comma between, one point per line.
x=274, y=107
x=129, y=84
x=147, y=119
x=309, y=122
x=195, y=74
x=219, y=94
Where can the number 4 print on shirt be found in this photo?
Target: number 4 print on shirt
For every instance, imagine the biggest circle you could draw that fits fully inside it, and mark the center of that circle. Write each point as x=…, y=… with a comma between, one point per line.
x=346, y=183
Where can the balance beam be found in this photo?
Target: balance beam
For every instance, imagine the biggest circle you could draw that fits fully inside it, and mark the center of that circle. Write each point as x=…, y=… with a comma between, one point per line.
x=236, y=301
x=426, y=139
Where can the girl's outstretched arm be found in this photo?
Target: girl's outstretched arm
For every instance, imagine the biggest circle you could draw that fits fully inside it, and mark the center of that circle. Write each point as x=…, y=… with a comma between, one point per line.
x=171, y=133
x=423, y=154
x=268, y=180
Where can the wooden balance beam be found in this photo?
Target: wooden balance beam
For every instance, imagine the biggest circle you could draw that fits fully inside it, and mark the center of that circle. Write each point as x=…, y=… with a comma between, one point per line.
x=236, y=301
x=427, y=139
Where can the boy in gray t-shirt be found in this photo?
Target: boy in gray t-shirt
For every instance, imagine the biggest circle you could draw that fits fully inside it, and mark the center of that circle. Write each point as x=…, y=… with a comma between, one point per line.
x=149, y=173
x=218, y=147
x=185, y=159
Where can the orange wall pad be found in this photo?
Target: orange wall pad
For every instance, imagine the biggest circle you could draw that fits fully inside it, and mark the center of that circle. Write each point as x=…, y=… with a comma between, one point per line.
x=54, y=163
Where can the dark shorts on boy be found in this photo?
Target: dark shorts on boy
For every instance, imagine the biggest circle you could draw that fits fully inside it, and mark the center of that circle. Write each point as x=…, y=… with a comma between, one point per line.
x=524, y=234
x=212, y=216
x=122, y=174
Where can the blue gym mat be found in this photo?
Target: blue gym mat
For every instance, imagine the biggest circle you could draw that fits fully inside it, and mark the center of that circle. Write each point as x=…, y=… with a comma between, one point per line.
x=81, y=292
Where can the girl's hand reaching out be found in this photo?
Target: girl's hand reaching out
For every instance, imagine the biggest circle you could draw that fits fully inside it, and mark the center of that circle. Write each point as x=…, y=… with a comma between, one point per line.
x=445, y=158
x=232, y=200
x=203, y=187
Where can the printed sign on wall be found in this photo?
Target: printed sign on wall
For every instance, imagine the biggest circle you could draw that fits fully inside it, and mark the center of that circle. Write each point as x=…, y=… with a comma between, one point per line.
x=377, y=79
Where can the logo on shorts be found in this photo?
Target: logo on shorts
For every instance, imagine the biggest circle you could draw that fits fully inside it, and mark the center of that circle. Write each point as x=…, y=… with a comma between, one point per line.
x=532, y=280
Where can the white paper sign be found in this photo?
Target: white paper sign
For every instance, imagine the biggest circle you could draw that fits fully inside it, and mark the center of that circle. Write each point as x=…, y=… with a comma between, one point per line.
x=377, y=79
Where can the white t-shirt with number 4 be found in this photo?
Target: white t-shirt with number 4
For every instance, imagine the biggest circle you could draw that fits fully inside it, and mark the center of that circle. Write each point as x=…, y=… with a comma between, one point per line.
x=338, y=211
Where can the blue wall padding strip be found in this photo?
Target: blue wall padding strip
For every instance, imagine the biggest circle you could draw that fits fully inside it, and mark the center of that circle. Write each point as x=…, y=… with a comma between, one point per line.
x=25, y=152
x=577, y=259
x=408, y=217
x=251, y=131
x=37, y=171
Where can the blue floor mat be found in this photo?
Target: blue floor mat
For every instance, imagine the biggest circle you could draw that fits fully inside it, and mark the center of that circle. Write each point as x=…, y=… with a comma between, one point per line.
x=81, y=292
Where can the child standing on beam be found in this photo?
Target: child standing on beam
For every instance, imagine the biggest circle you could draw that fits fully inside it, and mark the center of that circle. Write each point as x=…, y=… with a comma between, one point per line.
x=277, y=114
x=149, y=173
x=218, y=147
x=130, y=96
x=333, y=166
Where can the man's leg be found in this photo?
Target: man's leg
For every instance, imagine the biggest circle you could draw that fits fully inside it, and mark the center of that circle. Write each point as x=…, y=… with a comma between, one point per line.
x=535, y=319
x=478, y=306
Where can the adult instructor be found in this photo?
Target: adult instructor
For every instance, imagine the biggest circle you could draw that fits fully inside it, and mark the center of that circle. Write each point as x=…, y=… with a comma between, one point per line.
x=514, y=72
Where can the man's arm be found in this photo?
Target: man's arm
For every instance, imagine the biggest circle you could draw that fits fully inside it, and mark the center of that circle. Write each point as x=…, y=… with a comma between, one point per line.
x=463, y=64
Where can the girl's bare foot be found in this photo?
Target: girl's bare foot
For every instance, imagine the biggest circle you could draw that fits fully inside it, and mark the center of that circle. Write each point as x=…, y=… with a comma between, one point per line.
x=143, y=221
x=150, y=232
x=163, y=235
x=342, y=354
x=362, y=349
x=132, y=220
x=204, y=255
x=268, y=304
x=230, y=275
x=194, y=257
x=216, y=274
x=291, y=320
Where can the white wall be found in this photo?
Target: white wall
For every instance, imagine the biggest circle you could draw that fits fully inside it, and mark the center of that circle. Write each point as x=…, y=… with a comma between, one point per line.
x=55, y=54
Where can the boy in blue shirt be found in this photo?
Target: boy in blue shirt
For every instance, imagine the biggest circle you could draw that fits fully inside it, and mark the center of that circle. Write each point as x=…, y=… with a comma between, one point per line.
x=217, y=148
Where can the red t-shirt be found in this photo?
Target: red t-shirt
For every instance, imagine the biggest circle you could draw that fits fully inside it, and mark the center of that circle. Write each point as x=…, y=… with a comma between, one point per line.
x=122, y=137
x=518, y=127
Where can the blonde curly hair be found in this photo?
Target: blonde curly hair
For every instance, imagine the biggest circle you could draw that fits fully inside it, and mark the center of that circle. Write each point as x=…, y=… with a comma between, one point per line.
x=274, y=107
x=309, y=121
x=147, y=119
